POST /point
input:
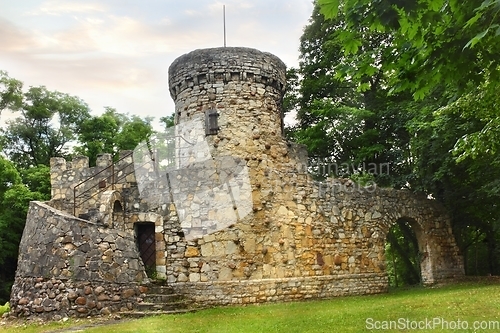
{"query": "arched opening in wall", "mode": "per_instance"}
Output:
(117, 207)
(402, 254)
(118, 217)
(146, 244)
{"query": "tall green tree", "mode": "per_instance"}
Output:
(350, 122)
(110, 133)
(48, 121)
(457, 162)
(97, 135)
(414, 84)
(14, 200)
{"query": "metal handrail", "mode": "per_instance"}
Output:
(113, 182)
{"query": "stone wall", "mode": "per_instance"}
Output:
(53, 299)
(72, 267)
(282, 290)
(76, 188)
(313, 229)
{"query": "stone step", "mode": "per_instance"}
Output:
(140, 314)
(159, 299)
(162, 298)
(159, 289)
(172, 306)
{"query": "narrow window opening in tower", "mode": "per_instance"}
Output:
(211, 122)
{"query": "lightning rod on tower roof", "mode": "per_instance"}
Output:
(224, 20)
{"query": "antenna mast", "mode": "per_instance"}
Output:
(224, 19)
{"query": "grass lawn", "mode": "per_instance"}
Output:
(459, 305)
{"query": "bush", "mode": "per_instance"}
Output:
(4, 308)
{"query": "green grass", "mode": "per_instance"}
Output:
(465, 302)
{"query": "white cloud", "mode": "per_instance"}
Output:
(14, 39)
(117, 53)
(62, 7)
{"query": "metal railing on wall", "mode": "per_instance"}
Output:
(102, 185)
(109, 181)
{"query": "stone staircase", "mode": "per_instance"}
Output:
(158, 300)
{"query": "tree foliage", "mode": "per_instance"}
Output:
(10, 91)
(14, 199)
(48, 121)
(341, 123)
(168, 121)
(110, 133)
(433, 42)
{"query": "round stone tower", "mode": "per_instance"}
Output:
(238, 91)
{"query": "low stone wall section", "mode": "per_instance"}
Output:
(54, 299)
(282, 290)
(72, 267)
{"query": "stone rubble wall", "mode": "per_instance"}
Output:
(72, 267)
(312, 231)
(282, 289)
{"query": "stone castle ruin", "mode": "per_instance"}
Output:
(221, 209)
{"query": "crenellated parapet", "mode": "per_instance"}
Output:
(74, 181)
(207, 67)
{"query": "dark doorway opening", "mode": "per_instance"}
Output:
(145, 233)
(402, 255)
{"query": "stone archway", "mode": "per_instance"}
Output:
(111, 209)
(439, 257)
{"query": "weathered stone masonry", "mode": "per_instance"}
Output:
(302, 239)
(299, 229)
(72, 267)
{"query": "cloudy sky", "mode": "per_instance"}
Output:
(117, 52)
